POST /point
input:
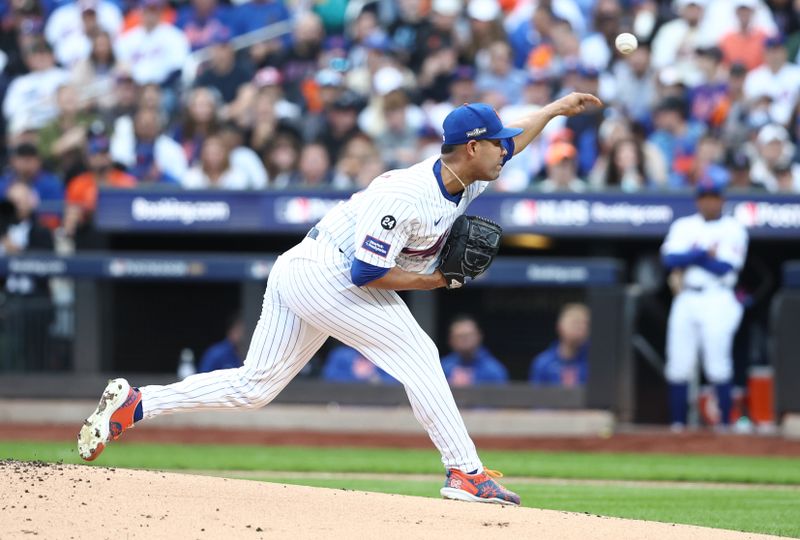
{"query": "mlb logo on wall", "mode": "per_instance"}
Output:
(376, 246)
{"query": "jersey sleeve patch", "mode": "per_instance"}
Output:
(378, 247)
(388, 222)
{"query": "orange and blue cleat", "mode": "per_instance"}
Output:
(113, 415)
(480, 487)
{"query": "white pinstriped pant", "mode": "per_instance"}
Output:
(309, 297)
(702, 321)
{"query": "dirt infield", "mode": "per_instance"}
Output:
(648, 442)
(75, 502)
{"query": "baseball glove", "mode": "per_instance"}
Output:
(469, 250)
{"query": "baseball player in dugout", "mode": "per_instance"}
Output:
(406, 231)
(704, 253)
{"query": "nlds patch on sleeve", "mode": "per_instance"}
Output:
(376, 246)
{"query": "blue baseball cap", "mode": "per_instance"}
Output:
(778, 40)
(463, 73)
(98, 145)
(378, 41)
(538, 76)
(712, 182)
(588, 72)
(474, 122)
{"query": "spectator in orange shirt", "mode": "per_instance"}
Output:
(134, 17)
(82, 190)
(745, 46)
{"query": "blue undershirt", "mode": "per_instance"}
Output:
(715, 266)
(362, 273)
(699, 258)
(682, 260)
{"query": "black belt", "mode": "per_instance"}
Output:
(314, 233)
(703, 289)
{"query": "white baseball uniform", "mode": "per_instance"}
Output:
(152, 55)
(705, 314)
(401, 219)
(783, 87)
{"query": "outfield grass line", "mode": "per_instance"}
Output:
(527, 480)
(557, 465)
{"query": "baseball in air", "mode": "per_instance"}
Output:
(626, 43)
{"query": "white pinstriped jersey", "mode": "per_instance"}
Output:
(402, 218)
(725, 235)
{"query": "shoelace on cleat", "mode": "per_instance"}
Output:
(493, 473)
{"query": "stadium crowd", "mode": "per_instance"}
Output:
(127, 93)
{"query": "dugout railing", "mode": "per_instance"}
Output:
(90, 339)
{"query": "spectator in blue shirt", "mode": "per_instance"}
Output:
(709, 99)
(470, 363)
(530, 33)
(26, 167)
(203, 21)
(565, 362)
(345, 364)
(676, 137)
(258, 14)
(224, 354)
(586, 130)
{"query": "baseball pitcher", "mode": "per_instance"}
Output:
(406, 231)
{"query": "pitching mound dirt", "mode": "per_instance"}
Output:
(76, 502)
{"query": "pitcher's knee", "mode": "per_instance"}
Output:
(252, 388)
(422, 376)
(255, 400)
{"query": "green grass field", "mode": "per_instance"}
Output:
(772, 507)
(755, 510)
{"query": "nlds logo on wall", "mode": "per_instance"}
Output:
(582, 212)
(552, 213)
